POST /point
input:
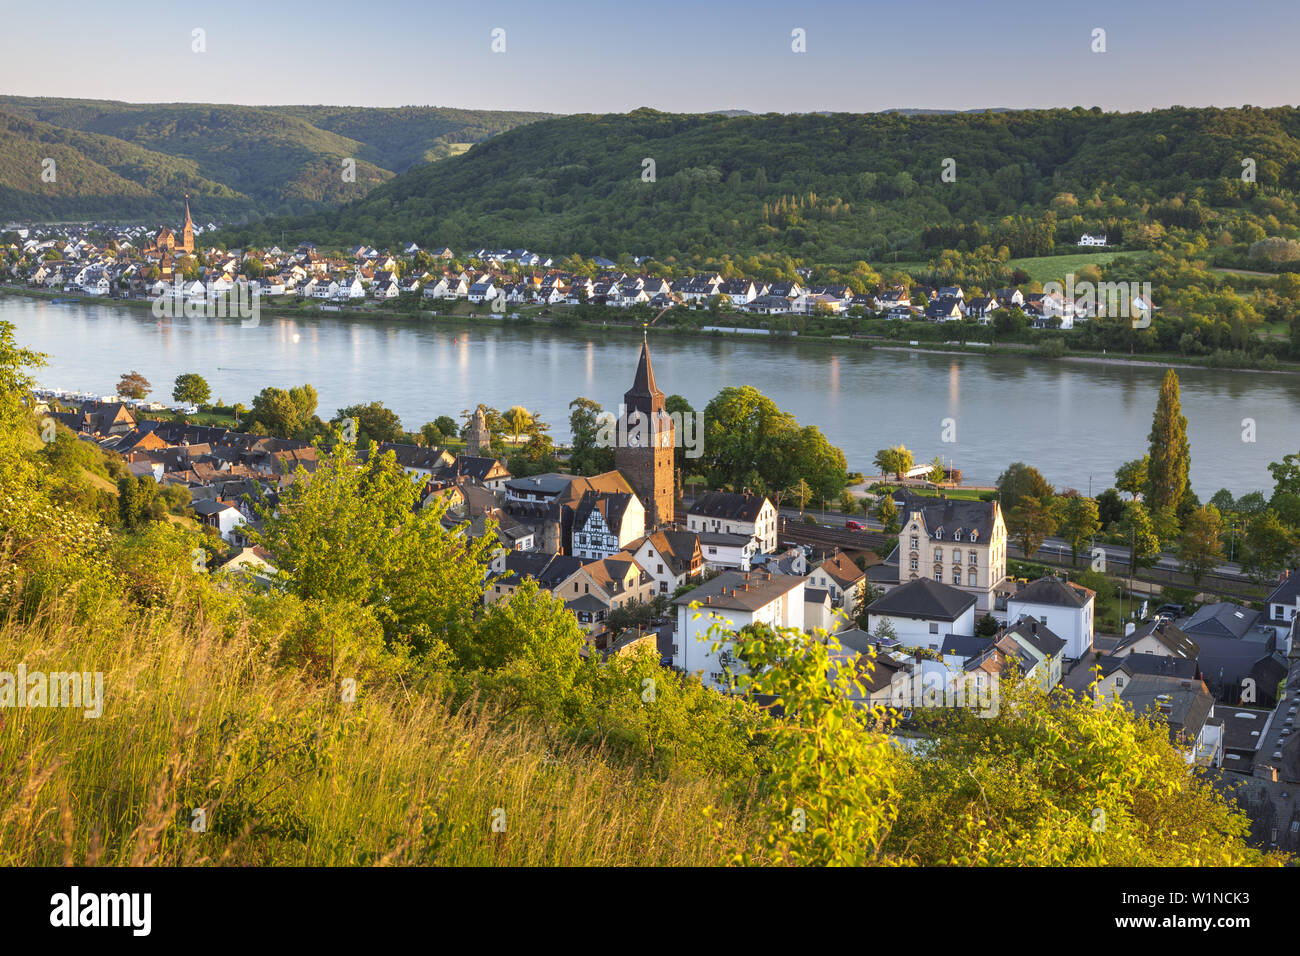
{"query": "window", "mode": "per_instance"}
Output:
(913, 563)
(938, 532)
(934, 628)
(971, 578)
(956, 575)
(1119, 681)
(938, 575)
(938, 555)
(974, 558)
(915, 544)
(956, 555)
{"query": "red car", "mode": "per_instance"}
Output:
(853, 525)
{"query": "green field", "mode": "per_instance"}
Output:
(1049, 268)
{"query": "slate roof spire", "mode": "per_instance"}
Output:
(643, 386)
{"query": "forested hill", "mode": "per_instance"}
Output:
(831, 188)
(127, 160)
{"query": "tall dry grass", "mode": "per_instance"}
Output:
(287, 774)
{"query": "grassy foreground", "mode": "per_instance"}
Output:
(285, 774)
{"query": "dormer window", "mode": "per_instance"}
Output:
(974, 536)
(938, 532)
(956, 535)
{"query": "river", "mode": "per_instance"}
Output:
(1073, 421)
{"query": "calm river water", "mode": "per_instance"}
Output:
(1071, 420)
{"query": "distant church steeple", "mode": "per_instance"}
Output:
(646, 460)
(187, 232)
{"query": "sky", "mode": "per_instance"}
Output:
(573, 56)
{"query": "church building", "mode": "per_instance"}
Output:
(645, 459)
(165, 241)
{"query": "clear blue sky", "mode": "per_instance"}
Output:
(573, 56)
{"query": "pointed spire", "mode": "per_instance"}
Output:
(188, 221)
(644, 384)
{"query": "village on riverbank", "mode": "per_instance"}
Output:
(1079, 318)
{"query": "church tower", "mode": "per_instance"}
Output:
(187, 233)
(644, 453)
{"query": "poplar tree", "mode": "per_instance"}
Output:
(1170, 455)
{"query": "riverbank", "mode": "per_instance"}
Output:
(528, 318)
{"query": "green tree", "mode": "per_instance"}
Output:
(1019, 481)
(355, 532)
(1170, 454)
(1030, 522)
(191, 388)
(286, 413)
(1138, 530)
(937, 472)
(1286, 475)
(1200, 549)
(831, 774)
(431, 436)
(587, 457)
(896, 461)
(1079, 521)
(1131, 477)
(887, 512)
(1266, 546)
(517, 420)
(372, 423)
(138, 503)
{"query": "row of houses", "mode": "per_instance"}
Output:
(502, 278)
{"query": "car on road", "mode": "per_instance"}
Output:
(853, 525)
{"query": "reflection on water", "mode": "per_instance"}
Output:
(1071, 420)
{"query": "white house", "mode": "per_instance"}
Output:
(731, 601)
(842, 580)
(1088, 240)
(727, 552)
(606, 522)
(1283, 606)
(350, 289)
(670, 557)
(730, 513)
(484, 291)
(223, 516)
(923, 613)
(1066, 609)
